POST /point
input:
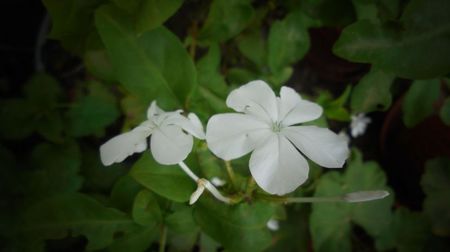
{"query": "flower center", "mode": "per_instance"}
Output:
(276, 126)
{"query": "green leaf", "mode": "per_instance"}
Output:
(37, 112)
(388, 10)
(138, 241)
(253, 46)
(181, 221)
(146, 210)
(42, 91)
(293, 234)
(183, 231)
(72, 22)
(366, 10)
(149, 14)
(93, 112)
(153, 13)
(128, 5)
(210, 165)
(55, 170)
(240, 76)
(330, 223)
(226, 19)
(212, 89)
(410, 231)
(207, 244)
(135, 111)
(288, 41)
(98, 63)
(373, 92)
(7, 169)
(239, 227)
(209, 77)
(153, 65)
(51, 126)
(436, 185)
(331, 13)
(335, 109)
(97, 177)
(419, 100)
(279, 78)
(445, 112)
(17, 115)
(9, 185)
(416, 47)
(166, 180)
(74, 214)
(123, 193)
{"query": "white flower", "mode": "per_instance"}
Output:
(359, 124)
(169, 144)
(265, 126)
(216, 181)
(273, 225)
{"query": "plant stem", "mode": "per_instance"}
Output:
(188, 171)
(193, 32)
(353, 197)
(250, 186)
(312, 199)
(163, 239)
(230, 173)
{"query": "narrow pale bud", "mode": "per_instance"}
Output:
(218, 182)
(197, 193)
(365, 196)
(273, 225)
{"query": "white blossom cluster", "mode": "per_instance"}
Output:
(265, 125)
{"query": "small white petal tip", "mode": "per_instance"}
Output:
(216, 181)
(359, 124)
(273, 225)
(365, 196)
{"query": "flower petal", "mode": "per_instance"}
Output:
(120, 147)
(294, 110)
(192, 124)
(278, 168)
(233, 135)
(321, 145)
(289, 96)
(170, 145)
(154, 110)
(359, 124)
(255, 98)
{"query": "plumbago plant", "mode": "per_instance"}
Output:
(154, 73)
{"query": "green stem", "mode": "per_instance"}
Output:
(287, 200)
(250, 186)
(313, 199)
(353, 197)
(193, 33)
(231, 174)
(163, 239)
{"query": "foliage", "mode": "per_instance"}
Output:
(436, 187)
(331, 223)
